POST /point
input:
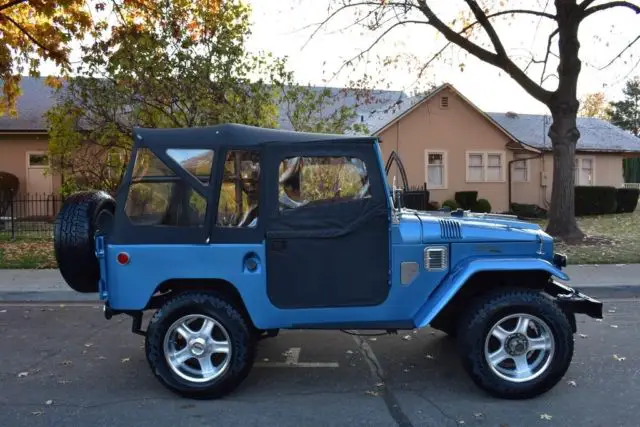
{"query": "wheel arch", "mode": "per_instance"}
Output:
(475, 277)
(217, 286)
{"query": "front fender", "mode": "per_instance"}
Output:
(459, 276)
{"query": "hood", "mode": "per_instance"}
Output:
(427, 227)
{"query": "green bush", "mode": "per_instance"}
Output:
(482, 205)
(627, 199)
(466, 199)
(595, 200)
(528, 211)
(451, 204)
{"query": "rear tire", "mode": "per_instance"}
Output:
(515, 344)
(74, 245)
(193, 362)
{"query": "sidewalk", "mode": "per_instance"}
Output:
(600, 281)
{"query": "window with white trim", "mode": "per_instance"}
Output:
(485, 166)
(435, 164)
(584, 168)
(520, 172)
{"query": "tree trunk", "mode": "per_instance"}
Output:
(564, 136)
(564, 132)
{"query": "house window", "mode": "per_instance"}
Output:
(584, 170)
(435, 163)
(520, 171)
(485, 166)
(38, 160)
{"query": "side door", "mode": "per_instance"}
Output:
(327, 236)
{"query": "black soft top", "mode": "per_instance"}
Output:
(235, 134)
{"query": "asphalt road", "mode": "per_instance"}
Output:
(66, 366)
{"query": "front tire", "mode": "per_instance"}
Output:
(515, 344)
(200, 346)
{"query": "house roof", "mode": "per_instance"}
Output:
(383, 120)
(595, 134)
(32, 104)
(37, 98)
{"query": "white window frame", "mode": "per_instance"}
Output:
(578, 160)
(37, 153)
(445, 181)
(485, 162)
(520, 157)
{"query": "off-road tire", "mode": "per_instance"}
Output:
(488, 309)
(74, 232)
(243, 344)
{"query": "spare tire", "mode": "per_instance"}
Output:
(74, 243)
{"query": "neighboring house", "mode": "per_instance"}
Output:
(24, 139)
(444, 140)
(447, 142)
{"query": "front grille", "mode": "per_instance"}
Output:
(435, 258)
(450, 229)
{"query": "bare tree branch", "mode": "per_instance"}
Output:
(620, 54)
(586, 3)
(501, 62)
(375, 42)
(11, 3)
(547, 53)
(484, 21)
(610, 5)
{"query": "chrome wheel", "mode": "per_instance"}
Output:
(197, 348)
(519, 347)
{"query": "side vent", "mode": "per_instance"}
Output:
(435, 258)
(450, 229)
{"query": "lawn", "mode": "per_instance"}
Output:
(611, 239)
(26, 252)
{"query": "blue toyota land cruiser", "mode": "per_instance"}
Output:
(231, 233)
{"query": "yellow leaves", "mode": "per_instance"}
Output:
(54, 82)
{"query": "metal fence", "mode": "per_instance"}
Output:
(28, 215)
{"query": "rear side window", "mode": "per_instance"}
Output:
(320, 180)
(158, 197)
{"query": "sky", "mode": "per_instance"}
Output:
(284, 27)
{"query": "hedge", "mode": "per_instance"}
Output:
(528, 211)
(482, 206)
(627, 199)
(595, 200)
(466, 199)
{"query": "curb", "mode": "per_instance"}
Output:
(594, 291)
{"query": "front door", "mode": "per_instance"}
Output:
(328, 231)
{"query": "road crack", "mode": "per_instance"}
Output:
(390, 400)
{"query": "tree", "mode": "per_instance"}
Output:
(594, 105)
(181, 63)
(474, 30)
(626, 115)
(33, 30)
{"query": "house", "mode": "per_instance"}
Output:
(24, 139)
(447, 142)
(444, 140)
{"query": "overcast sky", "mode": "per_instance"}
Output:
(284, 26)
(279, 26)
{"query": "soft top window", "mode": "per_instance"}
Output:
(322, 179)
(158, 197)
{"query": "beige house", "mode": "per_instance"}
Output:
(24, 141)
(447, 142)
